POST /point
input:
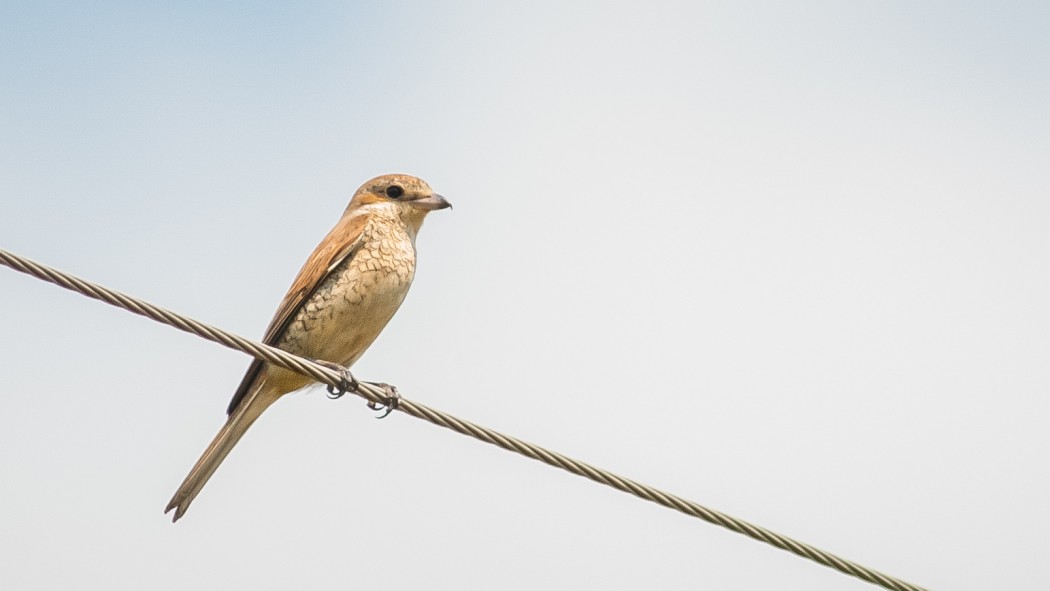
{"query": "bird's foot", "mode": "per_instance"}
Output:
(390, 402)
(346, 384)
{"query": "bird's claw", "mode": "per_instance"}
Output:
(347, 382)
(390, 402)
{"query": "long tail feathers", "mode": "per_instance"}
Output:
(236, 425)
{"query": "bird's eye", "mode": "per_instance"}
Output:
(394, 191)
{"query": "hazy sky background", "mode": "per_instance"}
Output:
(788, 260)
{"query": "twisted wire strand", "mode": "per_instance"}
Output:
(442, 419)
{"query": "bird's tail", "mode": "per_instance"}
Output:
(236, 425)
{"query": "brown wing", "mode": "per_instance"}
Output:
(341, 243)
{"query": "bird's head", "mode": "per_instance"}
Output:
(408, 197)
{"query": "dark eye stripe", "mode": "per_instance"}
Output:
(394, 191)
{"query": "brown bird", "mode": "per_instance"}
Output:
(342, 298)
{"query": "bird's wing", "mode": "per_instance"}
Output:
(339, 245)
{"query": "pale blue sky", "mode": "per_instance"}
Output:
(789, 261)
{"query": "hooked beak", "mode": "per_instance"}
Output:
(432, 202)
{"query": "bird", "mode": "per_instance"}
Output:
(342, 298)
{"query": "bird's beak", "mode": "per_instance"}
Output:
(432, 202)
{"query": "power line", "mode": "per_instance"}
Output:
(377, 395)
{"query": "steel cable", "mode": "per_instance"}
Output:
(375, 394)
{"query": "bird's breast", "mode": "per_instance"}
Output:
(354, 302)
